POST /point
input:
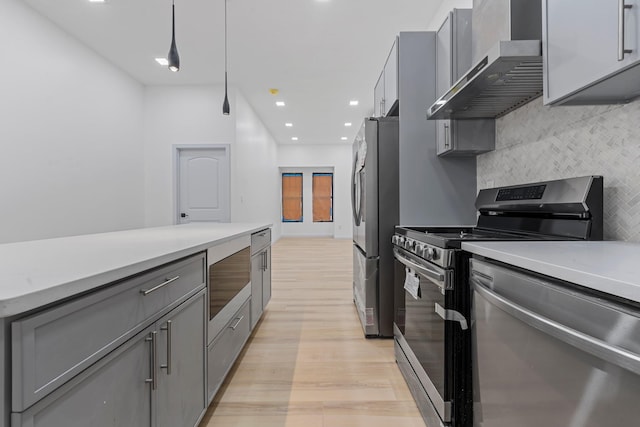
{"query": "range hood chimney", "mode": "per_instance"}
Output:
(507, 53)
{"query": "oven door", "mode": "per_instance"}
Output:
(426, 332)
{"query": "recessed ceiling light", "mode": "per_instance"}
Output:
(347, 124)
(344, 138)
(161, 61)
(294, 138)
(280, 103)
(288, 124)
(96, 1)
(353, 102)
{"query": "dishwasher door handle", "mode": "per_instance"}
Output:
(580, 340)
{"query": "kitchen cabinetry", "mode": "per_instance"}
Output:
(181, 364)
(113, 392)
(226, 347)
(385, 93)
(378, 96)
(453, 59)
(260, 274)
(130, 354)
(590, 50)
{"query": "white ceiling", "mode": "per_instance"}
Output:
(320, 54)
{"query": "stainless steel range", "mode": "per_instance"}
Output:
(432, 329)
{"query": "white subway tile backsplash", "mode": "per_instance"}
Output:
(538, 143)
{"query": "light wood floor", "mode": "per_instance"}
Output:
(307, 363)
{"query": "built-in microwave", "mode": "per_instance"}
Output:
(229, 281)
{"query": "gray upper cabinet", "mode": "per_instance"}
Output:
(391, 81)
(378, 96)
(453, 59)
(590, 51)
(385, 92)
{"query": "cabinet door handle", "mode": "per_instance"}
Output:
(238, 320)
(446, 135)
(154, 361)
(266, 261)
(621, 9)
(168, 329)
(146, 292)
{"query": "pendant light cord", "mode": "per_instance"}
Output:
(225, 40)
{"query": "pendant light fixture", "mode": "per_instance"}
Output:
(225, 104)
(173, 57)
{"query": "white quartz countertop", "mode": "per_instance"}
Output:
(609, 266)
(39, 272)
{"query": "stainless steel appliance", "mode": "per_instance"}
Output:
(549, 353)
(506, 58)
(432, 329)
(374, 184)
(229, 282)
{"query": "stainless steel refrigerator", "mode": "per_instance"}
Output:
(375, 204)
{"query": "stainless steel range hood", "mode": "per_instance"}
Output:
(508, 71)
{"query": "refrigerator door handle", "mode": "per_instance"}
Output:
(355, 209)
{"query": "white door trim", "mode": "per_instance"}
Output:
(176, 171)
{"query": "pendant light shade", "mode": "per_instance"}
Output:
(225, 103)
(173, 57)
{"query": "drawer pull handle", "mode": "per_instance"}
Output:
(168, 329)
(146, 292)
(237, 323)
(154, 361)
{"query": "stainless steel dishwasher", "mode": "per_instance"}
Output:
(550, 353)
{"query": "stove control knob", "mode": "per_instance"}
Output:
(409, 244)
(394, 239)
(419, 248)
(401, 241)
(429, 253)
(435, 255)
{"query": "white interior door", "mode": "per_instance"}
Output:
(203, 184)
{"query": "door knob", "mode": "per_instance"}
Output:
(183, 215)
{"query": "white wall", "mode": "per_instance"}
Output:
(71, 135)
(254, 185)
(176, 115)
(337, 157)
(441, 14)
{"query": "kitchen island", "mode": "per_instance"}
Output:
(84, 316)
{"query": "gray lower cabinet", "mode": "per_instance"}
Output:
(453, 59)
(266, 278)
(591, 51)
(181, 394)
(130, 354)
(154, 379)
(226, 347)
(49, 348)
(260, 274)
(113, 392)
(257, 267)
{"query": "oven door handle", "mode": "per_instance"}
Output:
(437, 277)
(452, 315)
